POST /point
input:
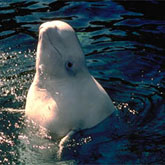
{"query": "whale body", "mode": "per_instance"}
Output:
(63, 95)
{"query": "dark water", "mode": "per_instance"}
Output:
(124, 45)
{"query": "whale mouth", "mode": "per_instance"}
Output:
(49, 38)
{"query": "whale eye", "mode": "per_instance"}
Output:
(69, 65)
(70, 68)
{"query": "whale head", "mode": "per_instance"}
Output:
(59, 53)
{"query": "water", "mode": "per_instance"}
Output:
(124, 45)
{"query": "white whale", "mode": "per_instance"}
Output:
(63, 96)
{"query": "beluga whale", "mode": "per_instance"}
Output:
(64, 97)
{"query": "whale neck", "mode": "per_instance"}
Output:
(43, 81)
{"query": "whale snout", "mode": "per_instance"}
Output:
(46, 31)
(56, 28)
(57, 33)
(61, 37)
